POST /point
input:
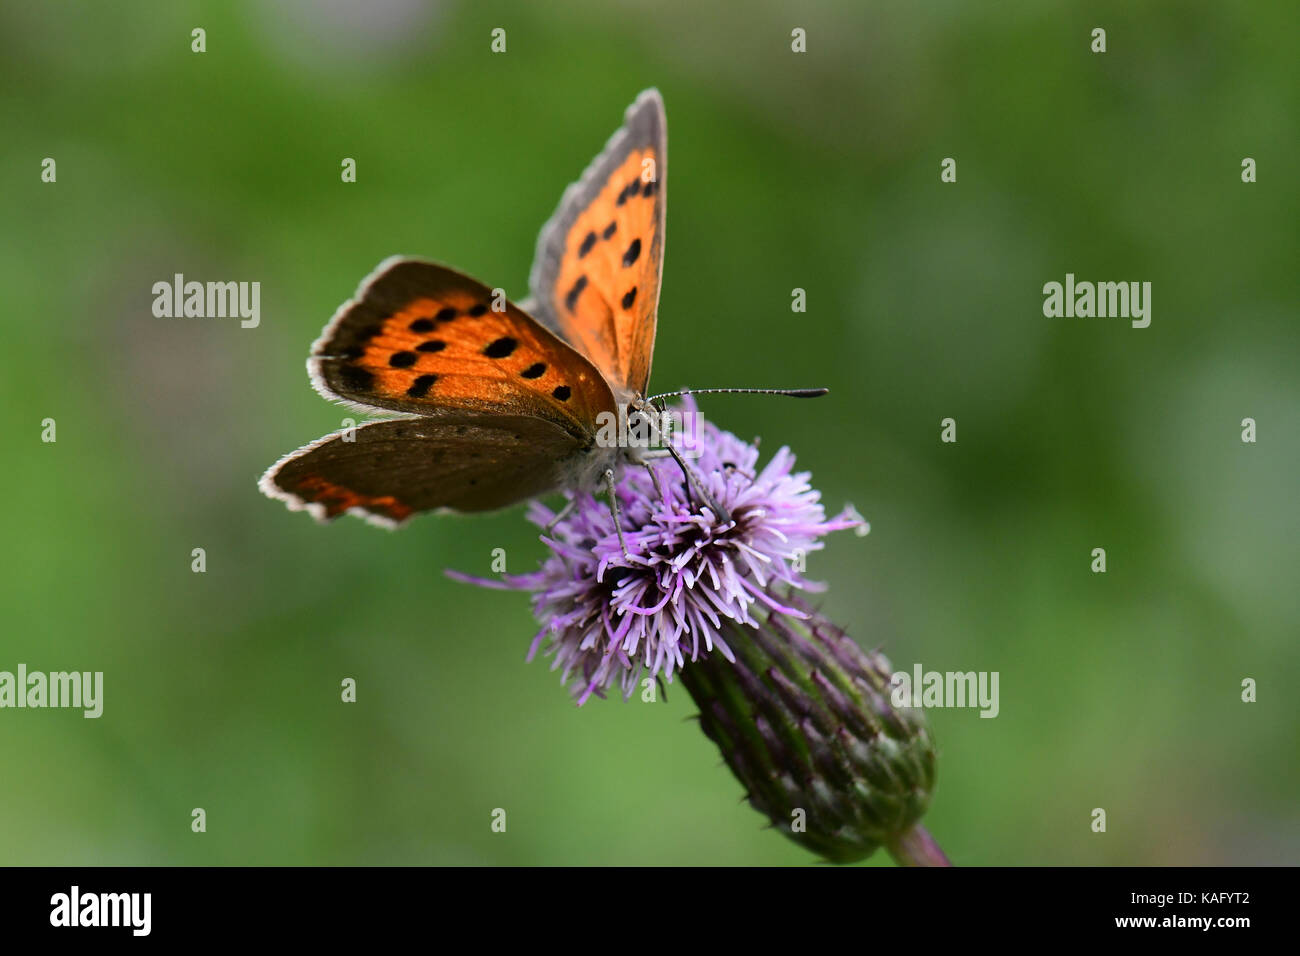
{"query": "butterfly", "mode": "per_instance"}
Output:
(498, 402)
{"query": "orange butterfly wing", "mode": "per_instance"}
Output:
(424, 339)
(599, 259)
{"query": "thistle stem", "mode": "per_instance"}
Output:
(917, 848)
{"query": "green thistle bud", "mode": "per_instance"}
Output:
(804, 719)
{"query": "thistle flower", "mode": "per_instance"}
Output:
(611, 617)
(801, 714)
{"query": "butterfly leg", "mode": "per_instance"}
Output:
(560, 515)
(613, 509)
(655, 455)
(654, 478)
(693, 480)
(550, 528)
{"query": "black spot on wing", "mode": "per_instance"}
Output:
(629, 297)
(587, 243)
(420, 387)
(501, 347)
(630, 190)
(571, 298)
(633, 253)
(562, 392)
(536, 370)
(402, 359)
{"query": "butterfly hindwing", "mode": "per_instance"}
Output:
(388, 471)
(599, 259)
(424, 339)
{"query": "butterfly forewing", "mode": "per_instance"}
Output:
(390, 470)
(599, 260)
(424, 339)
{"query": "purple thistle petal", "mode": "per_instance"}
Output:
(610, 619)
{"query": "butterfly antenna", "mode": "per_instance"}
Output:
(791, 392)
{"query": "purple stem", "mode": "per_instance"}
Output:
(917, 848)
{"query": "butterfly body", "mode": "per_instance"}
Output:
(498, 402)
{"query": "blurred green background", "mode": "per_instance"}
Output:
(818, 171)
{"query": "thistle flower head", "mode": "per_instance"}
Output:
(610, 617)
(801, 714)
